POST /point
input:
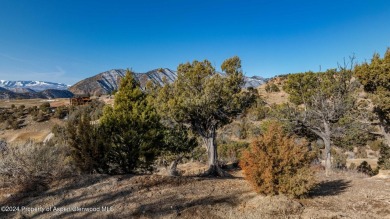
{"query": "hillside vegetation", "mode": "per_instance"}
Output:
(304, 141)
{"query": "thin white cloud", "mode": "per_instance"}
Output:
(59, 72)
(12, 58)
(57, 75)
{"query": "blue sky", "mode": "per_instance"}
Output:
(69, 40)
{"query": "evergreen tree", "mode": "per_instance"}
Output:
(375, 77)
(321, 101)
(87, 141)
(384, 157)
(132, 125)
(204, 101)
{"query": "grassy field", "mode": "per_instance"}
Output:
(34, 102)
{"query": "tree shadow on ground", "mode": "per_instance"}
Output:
(330, 188)
(67, 193)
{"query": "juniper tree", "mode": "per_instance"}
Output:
(204, 100)
(133, 128)
(375, 77)
(321, 100)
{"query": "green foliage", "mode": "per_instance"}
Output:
(375, 76)
(384, 157)
(40, 116)
(339, 159)
(365, 168)
(301, 87)
(88, 143)
(61, 112)
(178, 141)
(197, 87)
(133, 129)
(258, 110)
(230, 151)
(203, 99)
(241, 129)
(199, 154)
(361, 152)
(320, 100)
(375, 145)
(257, 113)
(352, 133)
(271, 87)
(94, 109)
(276, 163)
(45, 107)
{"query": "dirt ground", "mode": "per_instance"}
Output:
(342, 195)
(36, 131)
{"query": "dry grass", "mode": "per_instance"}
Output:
(36, 131)
(34, 102)
(273, 97)
(371, 161)
(31, 163)
(343, 195)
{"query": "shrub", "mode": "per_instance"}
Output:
(375, 145)
(361, 152)
(199, 154)
(89, 151)
(241, 130)
(275, 163)
(61, 112)
(384, 157)
(231, 151)
(45, 107)
(352, 166)
(271, 87)
(339, 159)
(26, 164)
(365, 168)
(40, 117)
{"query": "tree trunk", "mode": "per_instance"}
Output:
(328, 165)
(172, 169)
(326, 138)
(211, 147)
(385, 135)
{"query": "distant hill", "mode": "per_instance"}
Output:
(53, 93)
(45, 94)
(33, 85)
(106, 82)
(21, 90)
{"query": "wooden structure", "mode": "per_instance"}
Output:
(76, 101)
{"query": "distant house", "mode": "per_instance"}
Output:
(79, 100)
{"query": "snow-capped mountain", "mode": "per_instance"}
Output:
(254, 81)
(106, 82)
(33, 85)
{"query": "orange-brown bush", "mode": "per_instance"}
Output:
(276, 163)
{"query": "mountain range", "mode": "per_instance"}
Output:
(45, 94)
(108, 81)
(102, 83)
(18, 86)
(33, 89)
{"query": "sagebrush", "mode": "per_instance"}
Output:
(24, 164)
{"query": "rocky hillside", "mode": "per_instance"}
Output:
(106, 82)
(45, 94)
